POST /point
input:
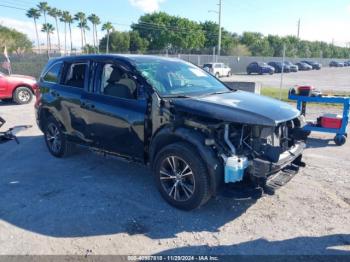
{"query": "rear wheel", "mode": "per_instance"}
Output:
(181, 176)
(22, 95)
(55, 139)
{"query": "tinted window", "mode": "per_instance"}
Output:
(52, 75)
(116, 82)
(75, 75)
(208, 65)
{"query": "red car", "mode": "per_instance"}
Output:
(18, 88)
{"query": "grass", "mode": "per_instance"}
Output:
(274, 92)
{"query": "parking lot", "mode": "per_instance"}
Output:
(87, 204)
(335, 79)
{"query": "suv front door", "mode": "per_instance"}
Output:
(115, 115)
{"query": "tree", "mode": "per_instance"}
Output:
(44, 8)
(35, 14)
(165, 31)
(95, 20)
(137, 43)
(107, 27)
(81, 18)
(56, 14)
(117, 42)
(67, 19)
(48, 29)
(14, 40)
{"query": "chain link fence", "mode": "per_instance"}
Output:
(32, 64)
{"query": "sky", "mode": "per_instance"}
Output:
(324, 20)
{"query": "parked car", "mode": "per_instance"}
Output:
(278, 67)
(293, 67)
(18, 88)
(193, 132)
(303, 66)
(260, 68)
(218, 69)
(347, 63)
(336, 64)
(314, 65)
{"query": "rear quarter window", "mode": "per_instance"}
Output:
(52, 75)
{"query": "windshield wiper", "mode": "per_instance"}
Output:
(177, 96)
(218, 93)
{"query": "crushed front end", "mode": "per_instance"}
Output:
(274, 154)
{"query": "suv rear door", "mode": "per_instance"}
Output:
(113, 110)
(67, 95)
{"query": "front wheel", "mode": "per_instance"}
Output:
(181, 176)
(217, 75)
(22, 95)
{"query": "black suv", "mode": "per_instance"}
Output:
(194, 132)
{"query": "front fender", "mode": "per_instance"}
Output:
(169, 135)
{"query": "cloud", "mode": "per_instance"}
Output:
(148, 6)
(348, 8)
(27, 27)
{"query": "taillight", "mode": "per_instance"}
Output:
(38, 96)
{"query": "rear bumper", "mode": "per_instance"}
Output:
(263, 168)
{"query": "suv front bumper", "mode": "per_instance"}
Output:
(262, 168)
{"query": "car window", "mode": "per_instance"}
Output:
(116, 82)
(172, 78)
(218, 66)
(52, 75)
(208, 65)
(75, 75)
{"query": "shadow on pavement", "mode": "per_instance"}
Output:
(324, 245)
(319, 143)
(89, 195)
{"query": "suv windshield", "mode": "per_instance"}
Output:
(178, 78)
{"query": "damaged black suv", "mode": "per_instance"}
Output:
(192, 130)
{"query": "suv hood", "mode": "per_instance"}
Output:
(238, 107)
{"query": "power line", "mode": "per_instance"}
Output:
(13, 7)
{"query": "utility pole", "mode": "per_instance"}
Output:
(299, 23)
(219, 41)
(282, 71)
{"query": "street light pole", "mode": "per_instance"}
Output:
(219, 40)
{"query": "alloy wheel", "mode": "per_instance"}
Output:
(24, 96)
(53, 138)
(177, 178)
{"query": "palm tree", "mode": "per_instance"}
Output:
(69, 19)
(95, 20)
(55, 13)
(44, 8)
(107, 27)
(48, 29)
(81, 18)
(35, 14)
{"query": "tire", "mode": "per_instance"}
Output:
(249, 73)
(22, 95)
(340, 140)
(55, 139)
(217, 75)
(190, 191)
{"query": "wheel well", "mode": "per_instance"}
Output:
(22, 85)
(195, 139)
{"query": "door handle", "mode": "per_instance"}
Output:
(54, 93)
(87, 105)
